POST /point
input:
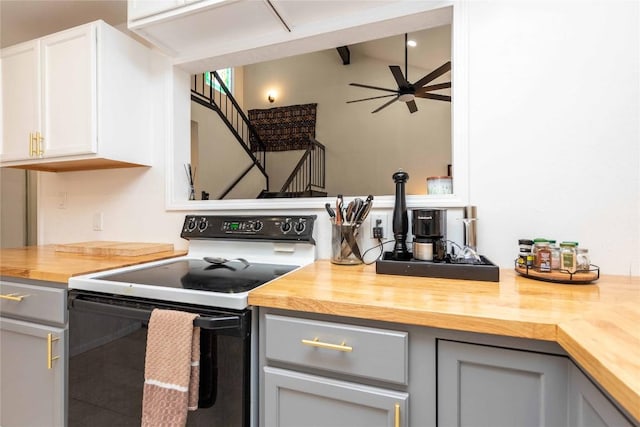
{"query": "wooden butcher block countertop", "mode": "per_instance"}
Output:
(597, 324)
(46, 263)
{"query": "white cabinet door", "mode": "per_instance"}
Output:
(20, 99)
(32, 386)
(69, 86)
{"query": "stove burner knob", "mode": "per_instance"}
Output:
(191, 224)
(203, 224)
(300, 226)
(257, 226)
(285, 227)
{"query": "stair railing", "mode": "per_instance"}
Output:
(223, 103)
(309, 173)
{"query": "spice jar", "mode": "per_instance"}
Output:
(568, 256)
(537, 244)
(582, 259)
(525, 246)
(543, 257)
(555, 255)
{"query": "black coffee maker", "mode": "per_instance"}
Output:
(429, 227)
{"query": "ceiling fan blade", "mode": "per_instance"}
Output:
(434, 87)
(385, 105)
(367, 99)
(397, 74)
(411, 105)
(433, 75)
(373, 87)
(434, 96)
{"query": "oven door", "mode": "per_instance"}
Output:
(107, 343)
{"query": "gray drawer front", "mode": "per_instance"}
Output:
(379, 354)
(39, 303)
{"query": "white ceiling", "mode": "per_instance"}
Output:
(22, 20)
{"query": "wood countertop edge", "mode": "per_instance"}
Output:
(101, 264)
(453, 321)
(617, 388)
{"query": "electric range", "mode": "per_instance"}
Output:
(228, 256)
(109, 314)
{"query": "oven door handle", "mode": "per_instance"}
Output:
(224, 321)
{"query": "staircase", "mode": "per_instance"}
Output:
(308, 176)
(223, 103)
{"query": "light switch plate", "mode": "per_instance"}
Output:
(98, 221)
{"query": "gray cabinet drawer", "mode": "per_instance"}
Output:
(294, 399)
(379, 354)
(33, 302)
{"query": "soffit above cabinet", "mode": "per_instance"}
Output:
(211, 34)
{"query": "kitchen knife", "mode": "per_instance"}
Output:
(361, 215)
(330, 211)
(339, 213)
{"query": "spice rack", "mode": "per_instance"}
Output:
(580, 277)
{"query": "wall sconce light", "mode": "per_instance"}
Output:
(271, 97)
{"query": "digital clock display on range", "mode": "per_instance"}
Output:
(234, 226)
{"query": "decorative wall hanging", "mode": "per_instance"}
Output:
(284, 128)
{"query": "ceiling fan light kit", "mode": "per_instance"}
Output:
(407, 92)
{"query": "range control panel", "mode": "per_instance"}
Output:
(274, 228)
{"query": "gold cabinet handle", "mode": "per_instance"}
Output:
(50, 340)
(32, 142)
(397, 417)
(39, 139)
(13, 297)
(317, 343)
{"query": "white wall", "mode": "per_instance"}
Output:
(363, 150)
(554, 126)
(13, 209)
(554, 141)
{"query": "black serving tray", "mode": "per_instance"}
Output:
(487, 271)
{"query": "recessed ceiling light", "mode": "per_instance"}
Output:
(412, 43)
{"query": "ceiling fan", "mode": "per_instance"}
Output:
(407, 92)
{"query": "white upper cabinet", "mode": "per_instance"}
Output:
(20, 100)
(68, 70)
(77, 99)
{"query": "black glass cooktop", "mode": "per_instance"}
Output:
(230, 277)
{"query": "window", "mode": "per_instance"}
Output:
(226, 75)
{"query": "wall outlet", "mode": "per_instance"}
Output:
(63, 198)
(98, 221)
(379, 220)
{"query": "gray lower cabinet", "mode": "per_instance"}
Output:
(294, 399)
(324, 373)
(33, 343)
(481, 385)
(33, 376)
(588, 406)
(318, 370)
